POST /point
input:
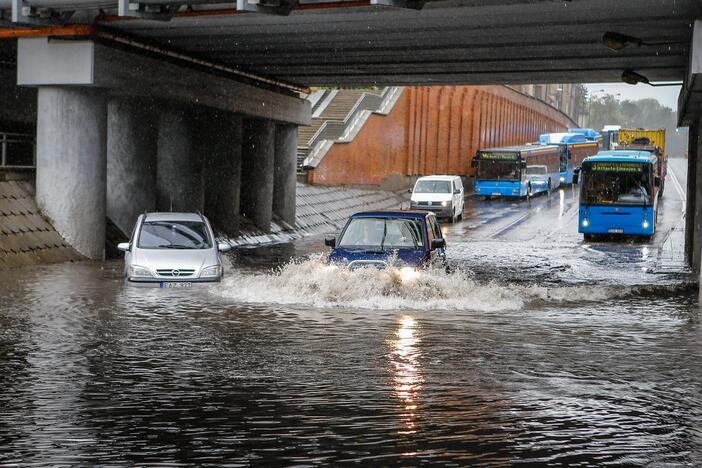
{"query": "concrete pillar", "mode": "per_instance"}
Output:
(220, 137)
(697, 222)
(257, 163)
(131, 161)
(71, 164)
(178, 169)
(691, 193)
(284, 174)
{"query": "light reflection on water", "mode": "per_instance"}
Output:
(407, 375)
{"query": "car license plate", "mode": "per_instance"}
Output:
(615, 231)
(179, 284)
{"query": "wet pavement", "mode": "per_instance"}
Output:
(538, 348)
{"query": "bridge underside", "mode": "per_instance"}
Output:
(353, 43)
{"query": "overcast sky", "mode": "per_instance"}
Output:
(666, 95)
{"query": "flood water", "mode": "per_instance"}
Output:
(537, 348)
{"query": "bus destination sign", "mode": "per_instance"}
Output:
(616, 167)
(500, 156)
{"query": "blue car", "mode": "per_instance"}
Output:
(376, 238)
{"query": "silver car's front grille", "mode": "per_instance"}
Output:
(175, 273)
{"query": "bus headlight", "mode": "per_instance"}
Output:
(586, 223)
(645, 224)
(562, 179)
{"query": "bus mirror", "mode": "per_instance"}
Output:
(657, 181)
(523, 165)
(473, 163)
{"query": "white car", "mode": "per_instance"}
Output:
(440, 194)
(173, 250)
(538, 177)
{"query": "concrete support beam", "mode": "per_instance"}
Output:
(131, 161)
(285, 173)
(71, 165)
(690, 203)
(178, 169)
(257, 165)
(84, 62)
(221, 140)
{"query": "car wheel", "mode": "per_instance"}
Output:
(452, 218)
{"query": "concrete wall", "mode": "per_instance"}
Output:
(434, 130)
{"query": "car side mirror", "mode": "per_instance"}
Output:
(438, 243)
(330, 242)
(224, 247)
(409, 190)
(457, 192)
(123, 246)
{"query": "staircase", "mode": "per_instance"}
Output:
(336, 111)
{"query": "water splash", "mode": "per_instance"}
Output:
(314, 283)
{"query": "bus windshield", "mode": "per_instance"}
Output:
(498, 170)
(616, 183)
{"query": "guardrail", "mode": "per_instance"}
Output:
(17, 151)
(343, 132)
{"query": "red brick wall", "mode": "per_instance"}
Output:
(436, 130)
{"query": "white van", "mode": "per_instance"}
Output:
(441, 194)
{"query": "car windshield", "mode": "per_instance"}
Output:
(383, 233)
(536, 170)
(432, 186)
(616, 183)
(498, 170)
(174, 235)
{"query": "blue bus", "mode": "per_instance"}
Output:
(517, 171)
(589, 133)
(574, 149)
(619, 194)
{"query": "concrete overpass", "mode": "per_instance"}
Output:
(254, 58)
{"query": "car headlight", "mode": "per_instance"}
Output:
(444, 203)
(211, 271)
(139, 271)
(586, 223)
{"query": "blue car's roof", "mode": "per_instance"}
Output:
(643, 157)
(410, 214)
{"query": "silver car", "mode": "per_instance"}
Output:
(173, 249)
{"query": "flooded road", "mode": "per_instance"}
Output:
(538, 348)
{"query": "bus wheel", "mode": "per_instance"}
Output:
(588, 237)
